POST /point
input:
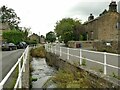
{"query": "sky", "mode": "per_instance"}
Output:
(41, 15)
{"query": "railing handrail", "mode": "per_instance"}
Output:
(92, 51)
(67, 52)
(91, 60)
(13, 68)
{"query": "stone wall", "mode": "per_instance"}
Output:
(110, 46)
(107, 46)
(81, 44)
(55, 61)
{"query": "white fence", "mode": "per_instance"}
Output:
(79, 54)
(21, 61)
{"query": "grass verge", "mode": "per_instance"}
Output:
(66, 79)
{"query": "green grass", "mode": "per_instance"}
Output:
(34, 79)
(66, 79)
(83, 62)
(115, 76)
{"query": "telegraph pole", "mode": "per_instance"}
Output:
(39, 37)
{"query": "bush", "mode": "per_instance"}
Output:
(38, 52)
(31, 42)
(13, 36)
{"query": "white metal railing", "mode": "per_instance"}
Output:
(21, 60)
(53, 49)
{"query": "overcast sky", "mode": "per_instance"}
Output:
(41, 15)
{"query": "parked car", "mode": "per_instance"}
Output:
(21, 45)
(9, 46)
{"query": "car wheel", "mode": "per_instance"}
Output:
(10, 49)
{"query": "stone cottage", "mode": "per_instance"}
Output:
(104, 27)
(34, 37)
(102, 32)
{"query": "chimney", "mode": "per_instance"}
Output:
(113, 6)
(91, 17)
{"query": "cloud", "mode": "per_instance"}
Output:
(41, 15)
(119, 6)
(83, 9)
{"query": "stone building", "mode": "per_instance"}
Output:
(104, 27)
(102, 32)
(34, 37)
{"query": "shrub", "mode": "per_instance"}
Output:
(13, 36)
(38, 52)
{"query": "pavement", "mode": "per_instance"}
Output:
(7, 60)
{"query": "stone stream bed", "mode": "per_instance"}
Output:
(42, 74)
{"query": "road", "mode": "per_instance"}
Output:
(9, 58)
(112, 60)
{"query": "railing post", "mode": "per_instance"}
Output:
(55, 49)
(80, 56)
(48, 47)
(1, 86)
(60, 52)
(105, 72)
(67, 53)
(20, 81)
(24, 62)
(51, 48)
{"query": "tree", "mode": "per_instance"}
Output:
(13, 36)
(78, 30)
(50, 36)
(26, 31)
(67, 29)
(9, 16)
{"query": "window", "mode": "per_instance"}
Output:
(92, 35)
(118, 25)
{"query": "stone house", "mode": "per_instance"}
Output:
(34, 37)
(102, 32)
(104, 27)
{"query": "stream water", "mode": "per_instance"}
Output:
(42, 73)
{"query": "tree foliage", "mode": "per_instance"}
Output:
(26, 31)
(68, 29)
(9, 16)
(50, 36)
(13, 36)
